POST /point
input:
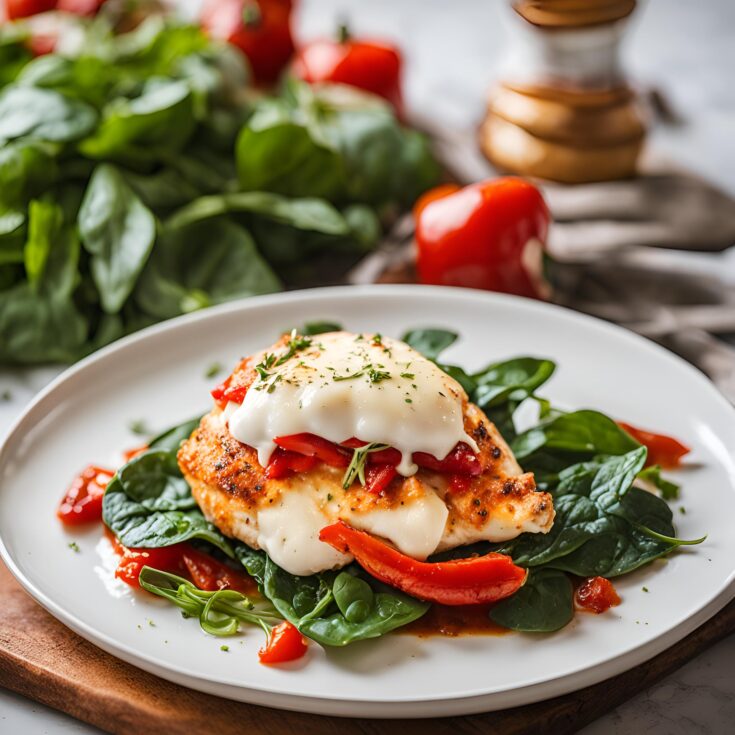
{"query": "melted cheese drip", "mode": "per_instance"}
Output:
(345, 385)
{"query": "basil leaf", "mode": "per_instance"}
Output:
(27, 168)
(544, 604)
(43, 114)
(311, 328)
(118, 230)
(309, 602)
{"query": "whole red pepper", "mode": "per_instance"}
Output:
(470, 581)
(373, 66)
(261, 29)
(488, 235)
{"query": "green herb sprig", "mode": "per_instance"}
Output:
(356, 467)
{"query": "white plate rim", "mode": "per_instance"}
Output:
(472, 701)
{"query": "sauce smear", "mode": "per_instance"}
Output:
(454, 621)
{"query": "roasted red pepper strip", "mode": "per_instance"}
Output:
(662, 450)
(370, 65)
(486, 235)
(463, 582)
(311, 445)
(83, 500)
(284, 643)
(378, 477)
(284, 463)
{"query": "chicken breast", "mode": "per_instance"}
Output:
(420, 511)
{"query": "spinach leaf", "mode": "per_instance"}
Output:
(584, 432)
(171, 439)
(430, 342)
(45, 220)
(515, 379)
(603, 525)
(161, 117)
(336, 143)
(43, 114)
(311, 328)
(27, 168)
(148, 504)
(39, 327)
(652, 475)
(310, 602)
(182, 275)
(118, 230)
(544, 604)
(303, 214)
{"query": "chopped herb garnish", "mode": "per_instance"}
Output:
(408, 376)
(645, 589)
(139, 427)
(357, 465)
(376, 376)
(151, 623)
(408, 400)
(214, 369)
(378, 339)
(224, 648)
(74, 546)
(329, 497)
(296, 343)
(358, 374)
(683, 510)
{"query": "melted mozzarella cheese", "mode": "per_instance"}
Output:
(345, 385)
(289, 532)
(289, 529)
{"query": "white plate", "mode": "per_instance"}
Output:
(159, 376)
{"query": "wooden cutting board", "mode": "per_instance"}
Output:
(42, 659)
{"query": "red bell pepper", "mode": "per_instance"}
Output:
(662, 449)
(488, 235)
(314, 446)
(83, 500)
(378, 477)
(472, 581)
(284, 463)
(261, 29)
(284, 643)
(373, 66)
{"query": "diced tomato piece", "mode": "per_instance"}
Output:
(25, 8)
(378, 477)
(285, 643)
(83, 500)
(597, 595)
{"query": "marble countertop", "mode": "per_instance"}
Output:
(454, 51)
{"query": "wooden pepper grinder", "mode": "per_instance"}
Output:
(564, 111)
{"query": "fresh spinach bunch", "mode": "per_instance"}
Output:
(141, 179)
